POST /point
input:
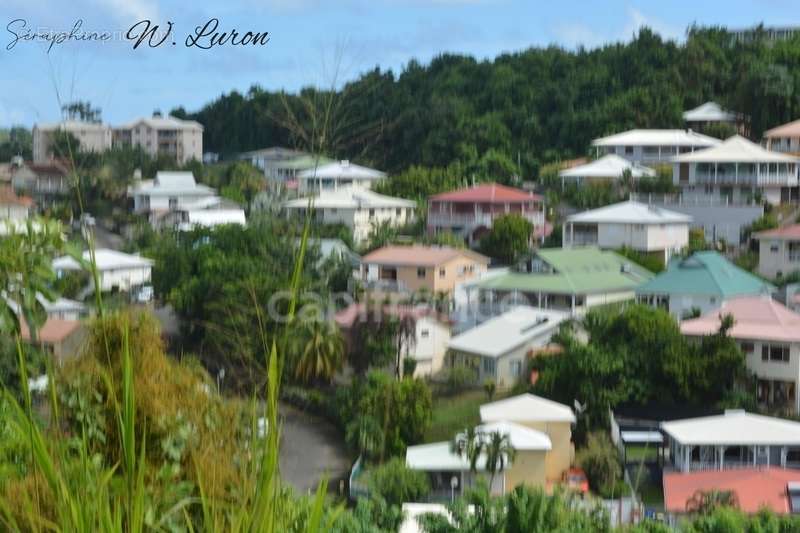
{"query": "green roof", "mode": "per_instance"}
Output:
(706, 273)
(577, 271)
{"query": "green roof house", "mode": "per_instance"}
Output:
(567, 280)
(702, 281)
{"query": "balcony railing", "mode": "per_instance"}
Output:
(481, 219)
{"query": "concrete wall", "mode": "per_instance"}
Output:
(124, 278)
(529, 468)
(431, 346)
(562, 454)
(773, 257)
(776, 370)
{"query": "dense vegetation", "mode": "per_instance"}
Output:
(521, 109)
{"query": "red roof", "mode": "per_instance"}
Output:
(755, 488)
(786, 232)
(487, 193)
(418, 255)
(8, 197)
(54, 330)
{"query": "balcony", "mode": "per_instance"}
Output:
(472, 220)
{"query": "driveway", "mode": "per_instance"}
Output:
(310, 449)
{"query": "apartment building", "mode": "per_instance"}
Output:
(163, 136)
(91, 136)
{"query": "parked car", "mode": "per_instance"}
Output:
(575, 479)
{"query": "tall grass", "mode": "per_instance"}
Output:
(74, 492)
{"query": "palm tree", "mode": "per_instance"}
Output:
(704, 502)
(320, 351)
(499, 453)
(405, 339)
(469, 445)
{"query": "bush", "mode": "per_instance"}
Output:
(409, 366)
(600, 460)
(460, 378)
(396, 483)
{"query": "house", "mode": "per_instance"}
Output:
(572, 280)
(116, 270)
(754, 489)
(470, 212)
(769, 336)
(699, 283)
(733, 440)
(644, 228)
(181, 140)
(540, 458)
(169, 191)
(712, 114)
(432, 332)
(499, 349)
(267, 157)
(47, 183)
(653, 146)
(432, 269)
(737, 169)
(13, 209)
(336, 175)
(63, 308)
(91, 136)
(540, 414)
(784, 139)
(60, 338)
(608, 169)
(778, 251)
(207, 213)
(358, 209)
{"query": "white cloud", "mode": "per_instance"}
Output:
(129, 10)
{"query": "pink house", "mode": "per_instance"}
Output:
(470, 212)
(769, 335)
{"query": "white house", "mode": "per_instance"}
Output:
(710, 114)
(735, 439)
(737, 169)
(63, 308)
(779, 251)
(338, 174)
(769, 335)
(357, 208)
(116, 270)
(653, 146)
(499, 348)
(644, 228)
(206, 213)
(608, 168)
(169, 191)
(13, 209)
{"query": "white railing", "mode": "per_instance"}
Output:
(481, 219)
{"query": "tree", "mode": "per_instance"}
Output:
(469, 445)
(499, 452)
(396, 483)
(82, 111)
(508, 239)
(600, 460)
(705, 502)
(244, 182)
(319, 351)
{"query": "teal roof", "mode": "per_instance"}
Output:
(706, 273)
(577, 271)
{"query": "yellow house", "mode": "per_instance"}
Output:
(539, 430)
(434, 269)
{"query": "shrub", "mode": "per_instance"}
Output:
(409, 366)
(600, 461)
(396, 483)
(459, 378)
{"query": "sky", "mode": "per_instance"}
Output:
(307, 39)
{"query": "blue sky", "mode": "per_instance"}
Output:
(306, 38)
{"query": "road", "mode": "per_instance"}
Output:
(310, 449)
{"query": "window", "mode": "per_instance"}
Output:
(775, 353)
(334, 210)
(516, 368)
(371, 213)
(748, 347)
(774, 248)
(629, 150)
(424, 334)
(442, 272)
(421, 272)
(173, 202)
(398, 211)
(488, 365)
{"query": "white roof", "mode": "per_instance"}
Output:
(526, 408)
(504, 333)
(342, 170)
(439, 456)
(631, 212)
(73, 125)
(163, 123)
(709, 112)
(106, 260)
(214, 217)
(735, 427)
(608, 166)
(350, 198)
(657, 138)
(735, 149)
(411, 511)
(171, 183)
(60, 304)
(521, 437)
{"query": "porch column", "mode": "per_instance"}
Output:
(754, 455)
(736, 173)
(784, 452)
(572, 234)
(573, 304)
(715, 172)
(721, 456)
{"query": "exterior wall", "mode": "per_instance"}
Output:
(738, 184)
(458, 270)
(787, 145)
(681, 304)
(648, 154)
(642, 237)
(562, 454)
(774, 257)
(593, 300)
(13, 212)
(362, 221)
(528, 468)
(775, 370)
(92, 138)
(184, 143)
(124, 279)
(314, 185)
(70, 346)
(431, 346)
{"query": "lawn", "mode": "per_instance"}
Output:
(453, 413)
(635, 453)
